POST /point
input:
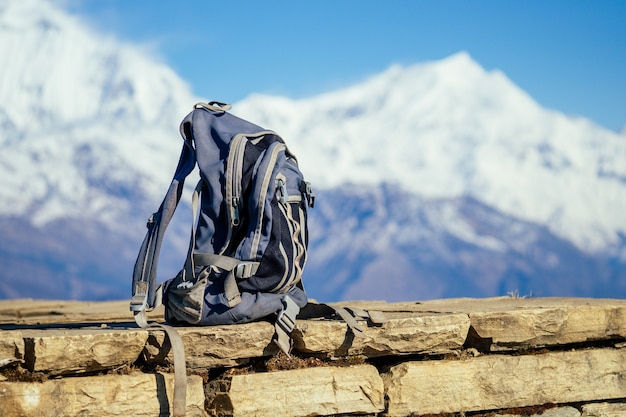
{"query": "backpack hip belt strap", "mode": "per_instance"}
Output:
(237, 270)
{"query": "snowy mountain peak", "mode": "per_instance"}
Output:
(449, 128)
(57, 72)
(85, 118)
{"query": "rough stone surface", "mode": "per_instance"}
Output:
(604, 410)
(215, 346)
(11, 347)
(81, 350)
(550, 326)
(103, 396)
(303, 392)
(432, 333)
(493, 382)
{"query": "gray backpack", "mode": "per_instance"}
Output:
(249, 246)
(248, 242)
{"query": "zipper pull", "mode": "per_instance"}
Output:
(235, 212)
(282, 190)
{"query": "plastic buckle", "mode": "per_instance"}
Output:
(154, 217)
(139, 301)
(282, 189)
(287, 316)
(245, 270)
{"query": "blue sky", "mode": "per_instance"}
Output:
(568, 55)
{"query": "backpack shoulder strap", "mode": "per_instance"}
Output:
(145, 293)
(144, 273)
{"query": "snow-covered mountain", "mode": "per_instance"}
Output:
(88, 143)
(85, 119)
(434, 180)
(450, 128)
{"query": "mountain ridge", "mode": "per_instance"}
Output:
(508, 152)
(388, 243)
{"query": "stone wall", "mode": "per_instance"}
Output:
(555, 357)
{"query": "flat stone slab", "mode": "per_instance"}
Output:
(550, 325)
(81, 350)
(433, 333)
(11, 347)
(493, 382)
(515, 323)
(135, 395)
(302, 392)
(215, 346)
(604, 410)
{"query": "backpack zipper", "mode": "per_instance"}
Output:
(274, 149)
(234, 173)
(234, 166)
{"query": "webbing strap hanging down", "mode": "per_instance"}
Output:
(145, 294)
(179, 405)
